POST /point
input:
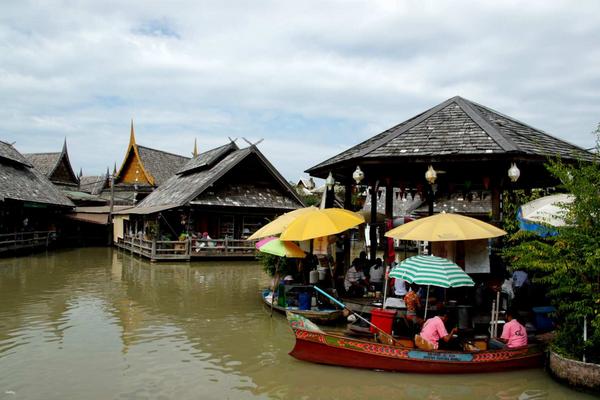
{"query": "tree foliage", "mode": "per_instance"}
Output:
(568, 264)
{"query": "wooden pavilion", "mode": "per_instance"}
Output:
(470, 147)
(30, 205)
(226, 193)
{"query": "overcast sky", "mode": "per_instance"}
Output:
(311, 78)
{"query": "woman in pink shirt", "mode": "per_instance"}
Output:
(434, 329)
(513, 334)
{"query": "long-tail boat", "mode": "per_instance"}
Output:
(315, 345)
(320, 316)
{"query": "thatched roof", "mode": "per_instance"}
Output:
(198, 182)
(20, 181)
(455, 128)
(56, 166)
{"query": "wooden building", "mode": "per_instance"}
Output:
(30, 205)
(226, 193)
(58, 169)
(143, 170)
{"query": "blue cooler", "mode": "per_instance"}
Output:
(542, 320)
(304, 301)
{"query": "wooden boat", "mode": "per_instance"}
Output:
(315, 345)
(319, 316)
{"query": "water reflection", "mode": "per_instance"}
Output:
(97, 323)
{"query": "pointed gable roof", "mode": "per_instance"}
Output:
(205, 170)
(156, 166)
(56, 166)
(20, 181)
(457, 127)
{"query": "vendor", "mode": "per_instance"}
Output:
(513, 334)
(434, 329)
(355, 281)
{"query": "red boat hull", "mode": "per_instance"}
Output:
(331, 349)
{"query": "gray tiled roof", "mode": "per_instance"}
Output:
(8, 152)
(182, 188)
(208, 158)
(160, 164)
(246, 196)
(93, 184)
(44, 162)
(186, 186)
(458, 127)
(18, 181)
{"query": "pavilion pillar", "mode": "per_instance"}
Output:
(373, 224)
(389, 215)
(347, 242)
(496, 205)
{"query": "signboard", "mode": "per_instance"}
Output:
(477, 257)
(431, 356)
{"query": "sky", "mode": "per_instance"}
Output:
(311, 78)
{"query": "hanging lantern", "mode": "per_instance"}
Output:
(330, 181)
(431, 175)
(513, 172)
(358, 175)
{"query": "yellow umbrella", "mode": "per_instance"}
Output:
(321, 222)
(277, 226)
(445, 227)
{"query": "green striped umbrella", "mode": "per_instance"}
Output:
(431, 270)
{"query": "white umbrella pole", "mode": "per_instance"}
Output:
(584, 334)
(426, 303)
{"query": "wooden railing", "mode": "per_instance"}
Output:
(24, 240)
(188, 248)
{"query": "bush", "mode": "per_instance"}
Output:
(568, 264)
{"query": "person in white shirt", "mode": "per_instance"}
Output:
(376, 275)
(355, 281)
(399, 287)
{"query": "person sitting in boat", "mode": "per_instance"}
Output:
(513, 335)
(355, 281)
(434, 329)
(376, 275)
(413, 303)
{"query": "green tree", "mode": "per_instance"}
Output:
(568, 264)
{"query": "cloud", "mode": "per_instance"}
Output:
(311, 78)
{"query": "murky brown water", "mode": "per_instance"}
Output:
(99, 324)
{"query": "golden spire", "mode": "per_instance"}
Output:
(131, 135)
(195, 152)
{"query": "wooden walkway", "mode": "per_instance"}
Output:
(22, 241)
(186, 250)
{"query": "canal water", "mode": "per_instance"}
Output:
(97, 323)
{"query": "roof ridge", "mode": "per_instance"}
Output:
(529, 126)
(161, 151)
(488, 126)
(46, 153)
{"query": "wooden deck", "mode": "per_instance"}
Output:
(23, 241)
(186, 250)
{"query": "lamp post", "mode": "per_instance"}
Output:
(111, 208)
(430, 176)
